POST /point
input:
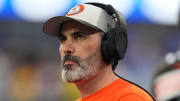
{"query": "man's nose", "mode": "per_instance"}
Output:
(68, 47)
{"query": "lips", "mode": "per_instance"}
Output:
(69, 62)
(69, 65)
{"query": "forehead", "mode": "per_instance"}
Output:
(76, 26)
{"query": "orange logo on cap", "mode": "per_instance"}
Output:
(78, 9)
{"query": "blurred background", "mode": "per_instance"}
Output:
(30, 62)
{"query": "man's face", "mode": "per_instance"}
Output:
(80, 52)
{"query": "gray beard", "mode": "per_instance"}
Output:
(86, 69)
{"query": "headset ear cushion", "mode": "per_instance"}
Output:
(121, 41)
(108, 46)
(104, 49)
(114, 44)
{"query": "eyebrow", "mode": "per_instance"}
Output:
(79, 32)
(83, 31)
(75, 33)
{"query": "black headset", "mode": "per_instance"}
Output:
(114, 41)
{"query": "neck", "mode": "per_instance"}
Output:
(104, 77)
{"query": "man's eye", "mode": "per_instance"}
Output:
(62, 39)
(80, 36)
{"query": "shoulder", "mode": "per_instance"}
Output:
(133, 92)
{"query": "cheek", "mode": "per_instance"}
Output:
(87, 49)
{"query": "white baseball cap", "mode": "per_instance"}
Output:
(90, 15)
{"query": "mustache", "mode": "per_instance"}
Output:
(68, 57)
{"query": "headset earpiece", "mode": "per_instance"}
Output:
(121, 41)
(108, 46)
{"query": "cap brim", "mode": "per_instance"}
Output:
(52, 26)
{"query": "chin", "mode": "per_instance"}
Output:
(70, 76)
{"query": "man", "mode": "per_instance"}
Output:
(92, 40)
(166, 80)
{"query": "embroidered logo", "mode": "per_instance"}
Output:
(76, 10)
